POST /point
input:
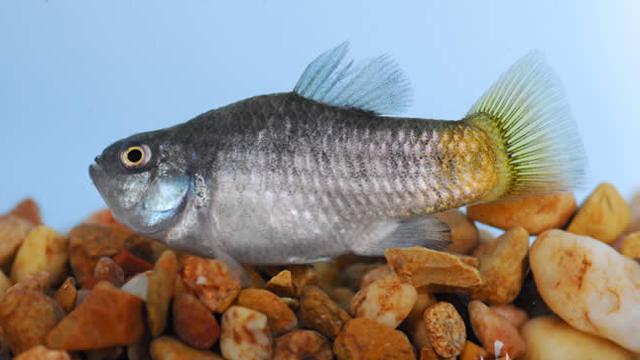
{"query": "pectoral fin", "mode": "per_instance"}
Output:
(424, 231)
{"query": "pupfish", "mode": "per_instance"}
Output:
(331, 168)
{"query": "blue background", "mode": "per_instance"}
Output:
(78, 75)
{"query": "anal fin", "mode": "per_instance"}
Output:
(423, 231)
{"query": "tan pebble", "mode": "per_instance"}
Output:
(281, 318)
(535, 213)
(255, 279)
(66, 294)
(497, 335)
(91, 326)
(13, 231)
(26, 316)
(414, 324)
(342, 296)
(366, 339)
(445, 329)
(387, 300)
(282, 284)
(516, 316)
(160, 291)
(42, 353)
(42, 250)
(88, 243)
(471, 351)
(464, 234)
(319, 312)
(211, 280)
(427, 353)
(502, 268)
(603, 216)
(5, 283)
(168, 348)
(423, 266)
(193, 323)
(302, 344)
(631, 245)
(303, 275)
(374, 274)
(551, 338)
(589, 285)
(106, 270)
(245, 335)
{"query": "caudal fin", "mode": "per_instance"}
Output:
(527, 115)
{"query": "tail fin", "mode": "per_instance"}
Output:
(527, 115)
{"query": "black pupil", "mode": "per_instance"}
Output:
(134, 155)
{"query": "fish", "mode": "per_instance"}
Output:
(332, 168)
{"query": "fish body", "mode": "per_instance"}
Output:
(311, 174)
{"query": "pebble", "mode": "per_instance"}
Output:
(387, 300)
(414, 323)
(631, 245)
(13, 231)
(551, 338)
(281, 318)
(211, 280)
(497, 335)
(422, 266)
(319, 312)
(535, 213)
(88, 243)
(282, 284)
(471, 351)
(604, 215)
(28, 210)
(42, 353)
(160, 291)
(366, 339)
(131, 264)
(502, 268)
(42, 250)
(193, 323)
(589, 285)
(245, 335)
(464, 234)
(26, 316)
(138, 285)
(106, 270)
(302, 344)
(66, 294)
(5, 283)
(516, 316)
(445, 329)
(90, 326)
(378, 272)
(168, 348)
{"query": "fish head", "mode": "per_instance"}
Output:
(144, 181)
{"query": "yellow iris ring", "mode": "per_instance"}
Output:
(129, 154)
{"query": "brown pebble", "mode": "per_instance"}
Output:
(535, 213)
(472, 351)
(319, 312)
(302, 344)
(281, 318)
(168, 348)
(13, 231)
(26, 316)
(106, 270)
(502, 268)
(66, 294)
(492, 328)
(516, 316)
(42, 353)
(422, 266)
(211, 280)
(603, 216)
(366, 339)
(282, 284)
(92, 326)
(193, 323)
(445, 329)
(160, 291)
(131, 264)
(28, 210)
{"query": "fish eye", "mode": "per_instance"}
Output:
(135, 156)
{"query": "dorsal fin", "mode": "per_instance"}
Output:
(376, 85)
